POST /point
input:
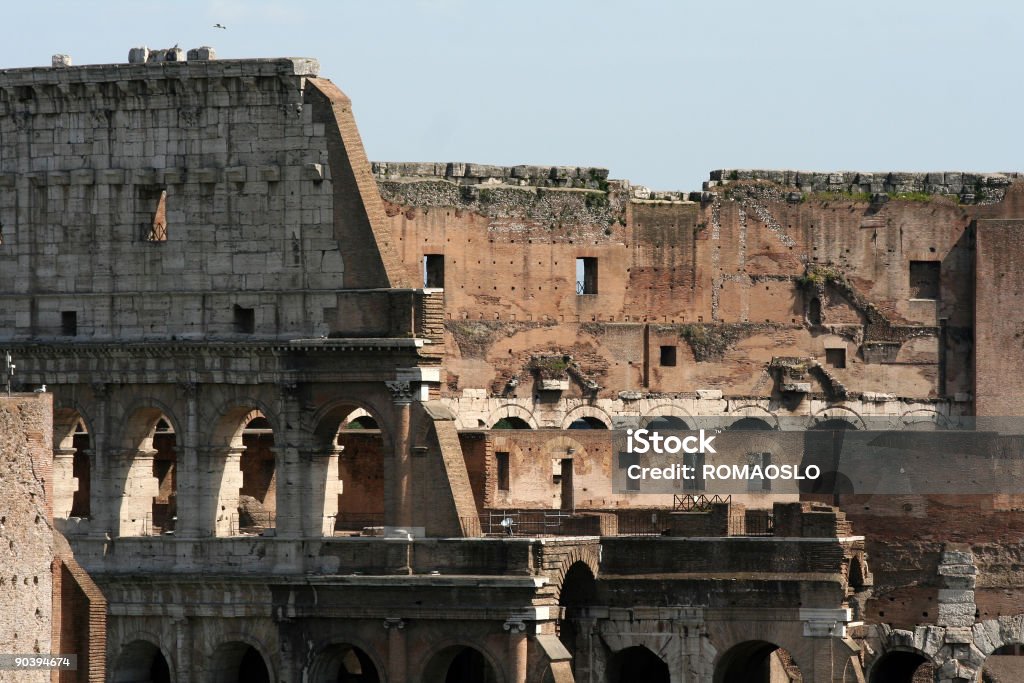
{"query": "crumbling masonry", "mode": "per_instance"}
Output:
(283, 380)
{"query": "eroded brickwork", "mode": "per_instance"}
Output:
(26, 534)
(267, 353)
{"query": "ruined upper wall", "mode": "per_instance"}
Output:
(157, 200)
(968, 187)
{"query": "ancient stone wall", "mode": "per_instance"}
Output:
(181, 200)
(875, 284)
(26, 534)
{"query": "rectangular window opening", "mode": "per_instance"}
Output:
(762, 460)
(627, 460)
(502, 459)
(245, 320)
(69, 323)
(696, 461)
(668, 356)
(433, 270)
(835, 358)
(151, 209)
(586, 275)
(924, 279)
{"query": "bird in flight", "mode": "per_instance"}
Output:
(219, 26)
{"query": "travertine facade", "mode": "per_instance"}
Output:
(280, 377)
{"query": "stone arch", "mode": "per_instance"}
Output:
(668, 410)
(242, 493)
(229, 419)
(736, 640)
(511, 410)
(926, 418)
(1003, 663)
(587, 555)
(332, 657)
(898, 664)
(1000, 633)
(750, 661)
(351, 471)
(65, 416)
(72, 462)
(578, 590)
(836, 413)
(752, 410)
(441, 658)
(145, 468)
(137, 424)
(333, 414)
(586, 411)
(142, 659)
(228, 656)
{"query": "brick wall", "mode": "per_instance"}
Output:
(26, 534)
(999, 283)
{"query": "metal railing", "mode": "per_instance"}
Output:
(759, 523)
(164, 525)
(644, 524)
(697, 503)
(522, 522)
(252, 523)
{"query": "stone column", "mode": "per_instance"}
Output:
(397, 668)
(188, 485)
(401, 392)
(583, 659)
(218, 500)
(288, 492)
(135, 469)
(517, 650)
(64, 482)
(183, 648)
(321, 469)
(106, 502)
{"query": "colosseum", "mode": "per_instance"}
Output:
(281, 414)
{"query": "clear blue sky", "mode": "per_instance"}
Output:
(659, 92)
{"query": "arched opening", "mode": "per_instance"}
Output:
(141, 661)
(165, 471)
(757, 661)
(637, 664)
(834, 424)
(239, 663)
(361, 422)
(579, 590)
(459, 664)
(150, 466)
(587, 422)
(82, 472)
(349, 470)
(257, 496)
(665, 423)
(899, 666)
(749, 424)
(72, 468)
(344, 663)
(814, 311)
(1005, 664)
(511, 422)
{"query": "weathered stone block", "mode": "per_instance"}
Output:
(202, 54)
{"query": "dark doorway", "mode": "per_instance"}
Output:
(902, 667)
(637, 665)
